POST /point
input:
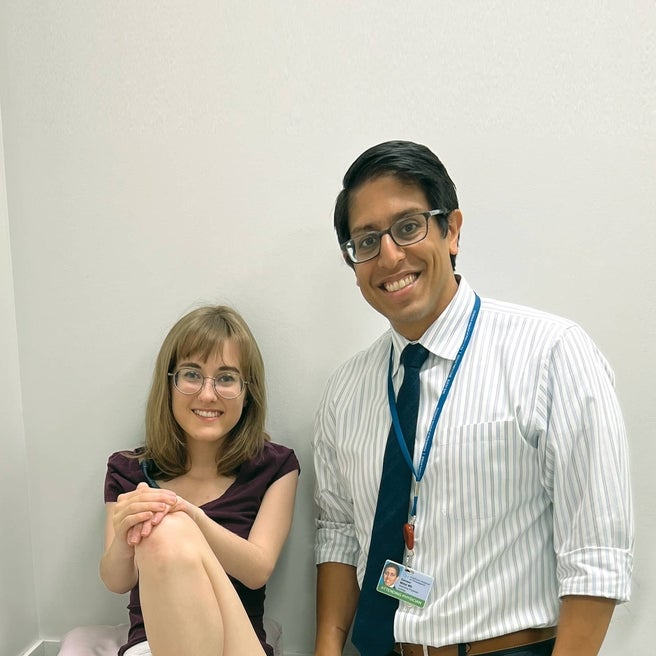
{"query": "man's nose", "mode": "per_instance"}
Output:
(390, 252)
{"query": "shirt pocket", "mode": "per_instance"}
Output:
(479, 469)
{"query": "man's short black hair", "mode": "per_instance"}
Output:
(393, 566)
(411, 163)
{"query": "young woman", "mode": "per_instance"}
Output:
(197, 518)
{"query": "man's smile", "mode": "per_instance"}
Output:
(395, 285)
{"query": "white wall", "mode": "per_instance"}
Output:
(18, 609)
(165, 154)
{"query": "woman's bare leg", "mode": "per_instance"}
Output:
(188, 602)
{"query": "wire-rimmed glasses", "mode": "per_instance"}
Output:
(227, 385)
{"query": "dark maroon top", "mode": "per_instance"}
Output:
(235, 509)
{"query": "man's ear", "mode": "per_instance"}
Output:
(453, 235)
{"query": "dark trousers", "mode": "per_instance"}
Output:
(538, 649)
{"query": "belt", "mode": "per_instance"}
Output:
(489, 645)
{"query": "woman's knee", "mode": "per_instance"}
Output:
(175, 540)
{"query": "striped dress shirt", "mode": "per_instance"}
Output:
(526, 493)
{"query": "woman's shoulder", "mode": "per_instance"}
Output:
(274, 458)
(125, 461)
(123, 473)
(280, 453)
(272, 450)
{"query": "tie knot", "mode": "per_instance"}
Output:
(413, 356)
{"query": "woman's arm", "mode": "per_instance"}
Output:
(252, 561)
(117, 568)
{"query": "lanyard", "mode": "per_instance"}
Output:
(418, 474)
(146, 470)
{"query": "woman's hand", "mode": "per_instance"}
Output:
(135, 513)
(144, 529)
(132, 514)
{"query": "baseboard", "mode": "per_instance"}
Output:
(51, 647)
(43, 648)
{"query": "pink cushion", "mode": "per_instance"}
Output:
(102, 640)
(105, 640)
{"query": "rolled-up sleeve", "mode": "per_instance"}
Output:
(586, 471)
(335, 536)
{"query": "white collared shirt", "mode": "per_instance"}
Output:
(526, 493)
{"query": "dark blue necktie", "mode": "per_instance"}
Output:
(373, 628)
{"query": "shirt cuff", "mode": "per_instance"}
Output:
(596, 572)
(336, 543)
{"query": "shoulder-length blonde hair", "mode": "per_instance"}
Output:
(202, 334)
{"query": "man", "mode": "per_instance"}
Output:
(522, 516)
(391, 574)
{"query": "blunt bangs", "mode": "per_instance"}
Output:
(204, 341)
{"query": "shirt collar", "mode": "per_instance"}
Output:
(444, 336)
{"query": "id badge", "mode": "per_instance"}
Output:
(405, 584)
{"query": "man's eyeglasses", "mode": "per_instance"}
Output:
(228, 384)
(405, 231)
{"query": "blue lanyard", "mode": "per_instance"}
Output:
(419, 474)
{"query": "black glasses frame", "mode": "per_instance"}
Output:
(348, 247)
